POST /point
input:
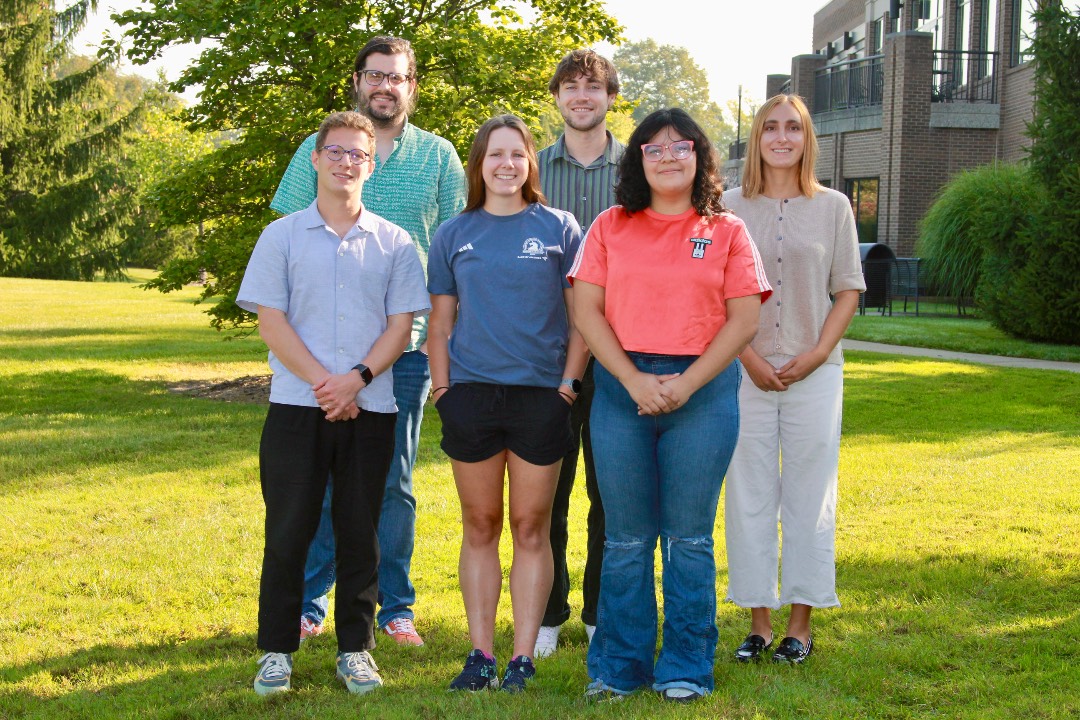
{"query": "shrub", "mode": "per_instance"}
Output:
(1030, 284)
(1031, 280)
(978, 208)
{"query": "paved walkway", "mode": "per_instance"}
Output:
(999, 360)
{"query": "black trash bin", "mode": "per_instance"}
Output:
(878, 261)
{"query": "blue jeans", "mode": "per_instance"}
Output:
(660, 479)
(397, 522)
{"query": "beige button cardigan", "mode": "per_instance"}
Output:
(810, 250)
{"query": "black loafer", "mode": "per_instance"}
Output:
(793, 651)
(752, 648)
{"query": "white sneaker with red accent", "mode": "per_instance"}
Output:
(309, 628)
(402, 630)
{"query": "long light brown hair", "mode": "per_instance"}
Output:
(530, 189)
(753, 179)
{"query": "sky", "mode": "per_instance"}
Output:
(737, 43)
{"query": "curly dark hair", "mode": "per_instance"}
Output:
(632, 191)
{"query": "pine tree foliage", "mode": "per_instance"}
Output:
(64, 205)
(270, 71)
(1030, 281)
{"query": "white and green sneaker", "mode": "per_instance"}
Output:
(275, 672)
(358, 671)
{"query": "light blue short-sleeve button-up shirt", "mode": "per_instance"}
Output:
(336, 294)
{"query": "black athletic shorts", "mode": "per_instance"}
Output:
(480, 420)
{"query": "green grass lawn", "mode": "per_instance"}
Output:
(952, 332)
(131, 538)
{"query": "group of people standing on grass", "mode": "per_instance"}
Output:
(629, 340)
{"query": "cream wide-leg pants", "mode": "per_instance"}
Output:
(785, 468)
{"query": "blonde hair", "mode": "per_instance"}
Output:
(753, 179)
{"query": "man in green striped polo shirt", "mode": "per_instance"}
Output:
(577, 174)
(417, 184)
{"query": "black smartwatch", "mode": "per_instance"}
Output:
(573, 383)
(365, 373)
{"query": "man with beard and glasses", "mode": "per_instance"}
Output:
(578, 174)
(418, 183)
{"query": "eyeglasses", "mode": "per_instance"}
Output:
(680, 150)
(375, 77)
(336, 153)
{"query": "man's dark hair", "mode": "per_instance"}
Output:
(386, 45)
(587, 63)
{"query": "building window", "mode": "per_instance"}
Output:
(929, 20)
(1023, 30)
(982, 64)
(875, 35)
(988, 39)
(961, 25)
(863, 193)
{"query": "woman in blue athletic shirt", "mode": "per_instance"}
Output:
(505, 368)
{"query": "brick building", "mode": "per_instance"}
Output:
(906, 94)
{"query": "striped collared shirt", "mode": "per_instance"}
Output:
(585, 192)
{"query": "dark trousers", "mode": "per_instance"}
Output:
(298, 452)
(558, 607)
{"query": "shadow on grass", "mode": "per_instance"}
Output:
(64, 424)
(939, 636)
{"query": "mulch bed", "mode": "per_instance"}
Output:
(250, 389)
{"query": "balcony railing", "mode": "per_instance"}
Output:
(964, 76)
(849, 84)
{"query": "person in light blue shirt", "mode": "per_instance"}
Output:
(418, 183)
(336, 289)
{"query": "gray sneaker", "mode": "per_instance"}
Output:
(275, 672)
(358, 671)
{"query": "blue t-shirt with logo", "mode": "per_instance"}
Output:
(508, 274)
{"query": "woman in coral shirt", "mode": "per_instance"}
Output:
(667, 289)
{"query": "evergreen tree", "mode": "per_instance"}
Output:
(62, 203)
(1030, 281)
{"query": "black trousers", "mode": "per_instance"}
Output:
(558, 606)
(298, 452)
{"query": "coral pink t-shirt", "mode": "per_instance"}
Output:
(666, 277)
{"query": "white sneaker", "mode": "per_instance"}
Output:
(546, 640)
(275, 671)
(589, 630)
(358, 671)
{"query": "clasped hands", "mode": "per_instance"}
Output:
(658, 394)
(768, 378)
(336, 395)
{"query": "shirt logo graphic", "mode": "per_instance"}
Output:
(533, 246)
(699, 247)
(466, 246)
(533, 249)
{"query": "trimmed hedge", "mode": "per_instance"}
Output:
(977, 209)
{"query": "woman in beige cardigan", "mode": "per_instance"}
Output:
(806, 236)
